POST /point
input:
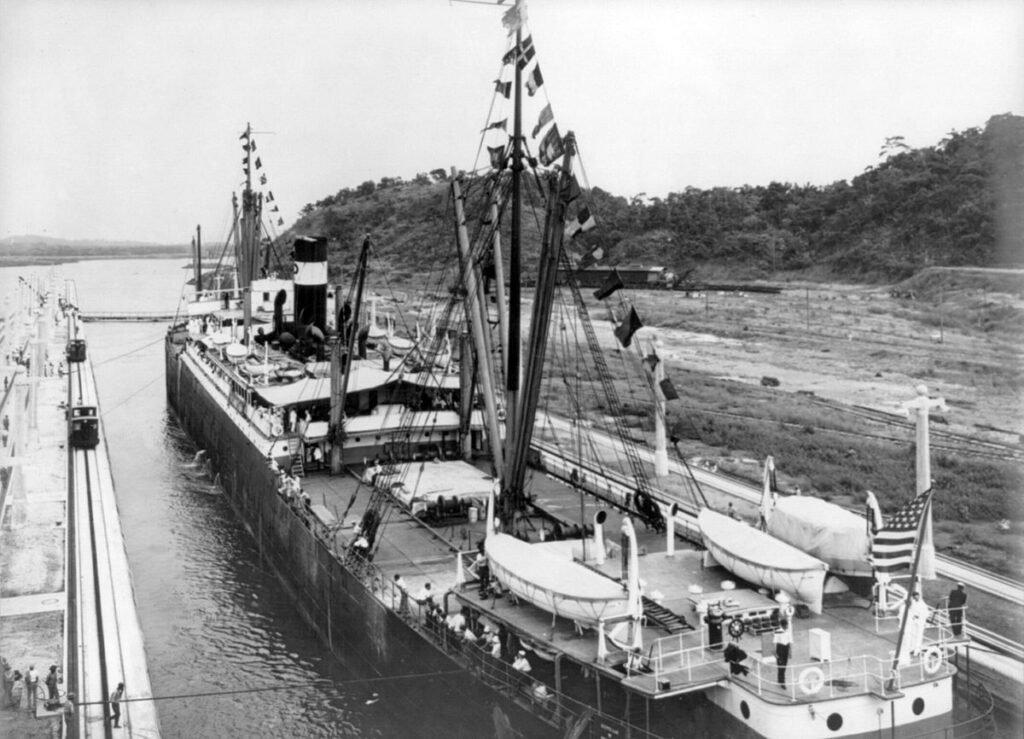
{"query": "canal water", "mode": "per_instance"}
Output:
(228, 655)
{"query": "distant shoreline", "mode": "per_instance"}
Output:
(30, 255)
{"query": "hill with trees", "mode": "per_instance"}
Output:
(957, 203)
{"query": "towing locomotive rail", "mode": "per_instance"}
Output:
(104, 642)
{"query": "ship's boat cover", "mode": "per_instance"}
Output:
(762, 559)
(824, 530)
(553, 582)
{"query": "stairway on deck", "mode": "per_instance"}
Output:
(656, 613)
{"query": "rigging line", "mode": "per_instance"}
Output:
(108, 411)
(306, 684)
(132, 351)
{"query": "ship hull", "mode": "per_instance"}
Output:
(332, 600)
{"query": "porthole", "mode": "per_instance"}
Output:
(834, 722)
(744, 709)
(918, 706)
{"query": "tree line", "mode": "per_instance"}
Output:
(957, 203)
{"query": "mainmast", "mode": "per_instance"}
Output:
(341, 364)
(248, 234)
(513, 420)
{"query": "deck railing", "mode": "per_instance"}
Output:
(681, 654)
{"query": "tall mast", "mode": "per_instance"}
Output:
(515, 255)
(513, 420)
(198, 241)
(341, 364)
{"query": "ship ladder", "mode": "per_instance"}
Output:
(656, 613)
(295, 450)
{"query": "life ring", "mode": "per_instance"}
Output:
(737, 628)
(277, 429)
(811, 680)
(788, 611)
(932, 660)
(501, 414)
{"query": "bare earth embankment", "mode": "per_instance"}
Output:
(845, 358)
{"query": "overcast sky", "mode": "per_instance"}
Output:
(120, 119)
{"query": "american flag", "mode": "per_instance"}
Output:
(893, 546)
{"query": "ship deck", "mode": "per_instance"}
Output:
(847, 650)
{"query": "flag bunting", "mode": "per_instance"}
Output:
(551, 146)
(583, 222)
(534, 82)
(668, 389)
(497, 124)
(593, 256)
(527, 54)
(612, 283)
(505, 88)
(624, 332)
(497, 156)
(546, 116)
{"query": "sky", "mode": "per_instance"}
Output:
(120, 119)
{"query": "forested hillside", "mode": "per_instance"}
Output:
(957, 203)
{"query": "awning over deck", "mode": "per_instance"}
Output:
(363, 377)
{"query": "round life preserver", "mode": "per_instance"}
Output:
(932, 660)
(277, 429)
(737, 628)
(788, 611)
(501, 414)
(811, 680)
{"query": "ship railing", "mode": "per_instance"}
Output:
(808, 681)
(256, 428)
(680, 653)
(548, 704)
(888, 622)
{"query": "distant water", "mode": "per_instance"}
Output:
(225, 647)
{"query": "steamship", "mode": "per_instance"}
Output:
(369, 466)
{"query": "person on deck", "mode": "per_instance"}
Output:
(956, 605)
(521, 663)
(917, 619)
(783, 639)
(403, 602)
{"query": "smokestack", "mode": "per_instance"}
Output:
(311, 281)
